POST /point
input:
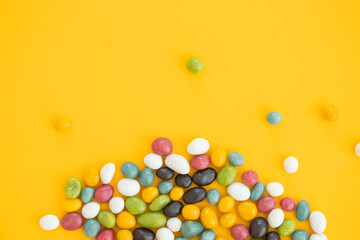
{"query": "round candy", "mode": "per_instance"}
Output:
(126, 220)
(106, 234)
(317, 222)
(90, 210)
(164, 234)
(332, 113)
(247, 211)
(239, 232)
(287, 227)
(226, 204)
(130, 169)
(128, 187)
(200, 162)
(208, 218)
(173, 209)
(204, 177)
(195, 65)
(116, 205)
(300, 235)
(257, 191)
(152, 220)
(91, 228)
(92, 177)
(191, 212)
(71, 205)
(176, 193)
(274, 118)
(73, 188)
(165, 187)
(318, 236)
(72, 221)
(135, 205)
(63, 124)
(291, 164)
(153, 161)
(159, 203)
(236, 159)
(287, 204)
(162, 146)
(276, 218)
(207, 234)
(49, 222)
(194, 195)
(107, 173)
(198, 146)
(174, 224)
(124, 235)
(266, 204)
(191, 229)
(226, 175)
(106, 218)
(272, 236)
(239, 191)
(183, 180)
(213, 196)
(250, 178)
(177, 163)
(143, 234)
(258, 227)
(275, 189)
(302, 211)
(104, 193)
(146, 177)
(218, 157)
(228, 220)
(165, 173)
(87, 194)
(149, 194)
(357, 149)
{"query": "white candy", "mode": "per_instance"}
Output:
(238, 191)
(107, 173)
(174, 224)
(198, 146)
(153, 161)
(164, 234)
(49, 222)
(275, 189)
(128, 187)
(318, 236)
(318, 222)
(276, 218)
(116, 205)
(291, 164)
(357, 149)
(90, 210)
(177, 163)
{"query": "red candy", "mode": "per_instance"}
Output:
(106, 234)
(162, 146)
(266, 204)
(72, 221)
(200, 162)
(250, 178)
(104, 193)
(287, 204)
(239, 232)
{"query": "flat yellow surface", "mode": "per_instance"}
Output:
(117, 69)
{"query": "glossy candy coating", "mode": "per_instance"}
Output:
(149, 194)
(73, 188)
(258, 227)
(236, 159)
(162, 146)
(72, 221)
(226, 175)
(143, 234)
(173, 209)
(204, 177)
(125, 220)
(130, 169)
(87, 194)
(135, 205)
(200, 162)
(165, 173)
(194, 195)
(92, 177)
(106, 218)
(104, 193)
(213, 196)
(183, 180)
(152, 220)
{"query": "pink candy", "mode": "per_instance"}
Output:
(162, 146)
(200, 162)
(287, 204)
(239, 232)
(104, 193)
(106, 234)
(250, 178)
(72, 221)
(266, 204)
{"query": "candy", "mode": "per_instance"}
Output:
(191, 229)
(87, 194)
(218, 157)
(164, 234)
(116, 205)
(194, 195)
(291, 164)
(257, 191)
(143, 234)
(181, 238)
(90, 210)
(276, 218)
(104, 193)
(106, 234)
(71, 205)
(317, 222)
(63, 124)
(195, 65)
(208, 234)
(135, 205)
(130, 169)
(250, 178)
(146, 177)
(275, 189)
(204, 177)
(302, 211)
(272, 236)
(226, 204)
(239, 191)
(357, 150)
(174, 224)
(49, 222)
(213, 196)
(287, 227)
(300, 235)
(258, 227)
(159, 203)
(162, 146)
(92, 177)
(173, 209)
(274, 118)
(287, 204)
(332, 113)
(228, 220)
(226, 175)
(152, 220)
(165, 187)
(107, 173)
(208, 218)
(176, 193)
(318, 236)
(177, 163)
(124, 235)
(266, 204)
(239, 232)
(165, 173)
(73, 188)
(106, 218)
(72, 221)
(183, 180)
(149, 194)
(247, 211)
(153, 161)
(91, 228)
(125, 220)
(128, 187)
(220, 238)
(200, 162)
(191, 212)
(198, 146)
(236, 159)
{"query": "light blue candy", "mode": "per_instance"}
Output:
(191, 229)
(181, 238)
(236, 159)
(302, 211)
(274, 118)
(208, 234)
(213, 196)
(87, 194)
(300, 235)
(146, 177)
(165, 187)
(257, 191)
(91, 228)
(130, 169)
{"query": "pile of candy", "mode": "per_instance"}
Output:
(169, 209)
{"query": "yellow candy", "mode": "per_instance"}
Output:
(228, 220)
(149, 194)
(208, 218)
(126, 220)
(191, 212)
(226, 204)
(71, 205)
(176, 193)
(247, 211)
(124, 235)
(63, 124)
(220, 238)
(332, 113)
(218, 157)
(92, 177)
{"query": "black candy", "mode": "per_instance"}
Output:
(173, 209)
(143, 234)
(183, 180)
(258, 227)
(204, 177)
(194, 195)
(165, 173)
(272, 236)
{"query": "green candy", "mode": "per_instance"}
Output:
(208, 234)
(191, 229)
(257, 191)
(287, 227)
(226, 175)
(73, 188)
(236, 159)
(159, 203)
(106, 218)
(135, 205)
(152, 220)
(195, 65)
(302, 211)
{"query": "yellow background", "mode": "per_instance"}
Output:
(117, 69)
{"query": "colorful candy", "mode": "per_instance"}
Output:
(90, 210)
(228, 220)
(207, 234)
(317, 222)
(208, 218)
(153, 161)
(198, 146)
(240, 232)
(165, 187)
(159, 203)
(152, 220)
(164, 234)
(165, 173)
(49, 222)
(104, 193)
(213, 196)
(116, 205)
(332, 113)
(287, 227)
(177, 163)
(258, 227)
(173, 209)
(176, 193)
(143, 234)
(204, 177)
(250, 178)
(275, 189)
(195, 65)
(135, 205)
(272, 236)
(247, 211)
(73, 188)
(92, 177)
(236, 159)
(162, 146)
(87, 194)
(194, 195)
(91, 228)
(276, 218)
(274, 118)
(146, 177)
(287, 204)
(124, 235)
(200, 162)
(266, 204)
(71, 205)
(302, 211)
(125, 220)
(106, 234)
(291, 164)
(183, 180)
(107, 173)
(226, 175)
(257, 191)
(191, 212)
(130, 169)
(218, 157)
(106, 218)
(128, 187)
(149, 194)
(239, 191)
(191, 229)
(72, 221)
(300, 235)
(174, 224)
(226, 204)
(63, 124)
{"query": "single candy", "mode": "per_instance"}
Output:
(228, 220)
(266, 204)
(146, 177)
(128, 187)
(317, 222)
(239, 191)
(226, 204)
(124, 235)
(183, 180)
(198, 146)
(130, 169)
(153, 161)
(204, 177)
(87, 194)
(276, 218)
(92, 177)
(357, 150)
(181, 238)
(73, 188)
(106, 234)
(194, 195)
(257, 191)
(272, 236)
(152, 220)
(107, 173)
(226, 175)
(258, 227)
(174, 224)
(318, 236)
(159, 203)
(173, 209)
(300, 235)
(195, 65)
(176, 193)
(287, 227)
(208, 234)
(247, 211)
(106, 218)
(332, 113)
(125, 220)
(165, 187)
(191, 229)
(213, 196)
(218, 157)
(191, 212)
(164, 234)
(162, 146)
(274, 118)
(71, 205)
(239, 232)
(275, 189)
(49, 222)
(143, 234)
(72, 221)
(116, 205)
(287, 204)
(177, 163)
(104, 193)
(91, 228)
(200, 162)
(236, 159)
(250, 178)
(291, 164)
(208, 218)
(165, 173)
(63, 124)
(302, 211)
(149, 194)
(90, 210)
(135, 205)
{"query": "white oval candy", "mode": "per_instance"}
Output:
(177, 163)
(357, 149)
(174, 224)
(198, 146)
(276, 218)
(90, 210)
(128, 187)
(153, 161)
(275, 189)
(116, 205)
(107, 173)
(238, 191)
(49, 222)
(318, 236)
(291, 164)
(318, 222)
(164, 234)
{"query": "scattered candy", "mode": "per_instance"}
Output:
(90, 210)
(159, 203)
(107, 173)
(228, 220)
(165, 187)
(266, 204)
(165, 173)
(177, 163)
(176, 193)
(152, 220)
(116, 205)
(213, 196)
(71, 205)
(130, 169)
(272, 236)
(153, 161)
(287, 227)
(318, 236)
(106, 234)
(288, 204)
(247, 211)
(191, 229)
(191, 212)
(135, 205)
(300, 235)
(274, 118)
(106, 218)
(258, 227)
(239, 191)
(128, 187)
(275, 189)
(332, 113)
(208, 218)
(198, 146)
(236, 159)
(91, 228)
(104, 193)
(63, 124)
(194, 195)
(49, 222)
(125, 220)
(302, 211)
(164, 234)
(162, 146)
(226, 204)
(87, 194)
(73, 188)
(183, 180)
(149, 194)
(218, 157)
(226, 175)
(276, 218)
(173, 209)
(204, 177)
(200, 162)
(124, 235)
(72, 221)
(239, 232)
(195, 65)
(317, 222)
(257, 191)
(291, 164)
(207, 234)
(146, 177)
(143, 234)
(250, 178)
(174, 224)
(92, 177)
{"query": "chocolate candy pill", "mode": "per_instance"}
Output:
(258, 227)
(143, 234)
(165, 173)
(183, 180)
(173, 209)
(194, 195)
(272, 236)
(204, 177)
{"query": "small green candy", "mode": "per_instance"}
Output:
(226, 175)
(73, 188)
(106, 218)
(135, 205)
(159, 203)
(236, 159)
(152, 220)
(274, 118)
(165, 187)
(287, 227)
(195, 65)
(87, 194)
